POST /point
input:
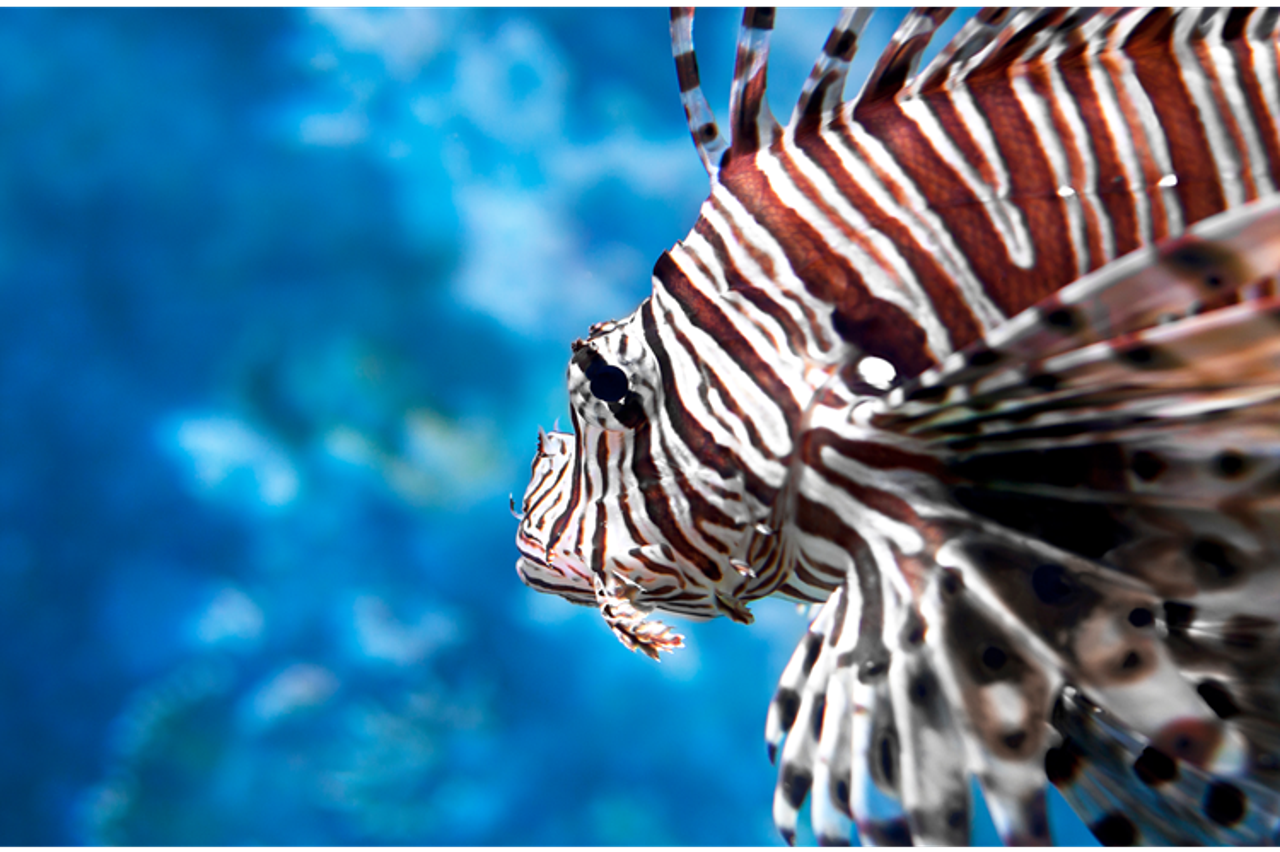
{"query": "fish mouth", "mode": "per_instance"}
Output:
(561, 578)
(544, 563)
(541, 577)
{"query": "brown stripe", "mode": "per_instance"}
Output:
(1110, 184)
(818, 329)
(1076, 150)
(879, 327)
(875, 499)
(802, 574)
(818, 519)
(572, 593)
(993, 15)
(841, 44)
(659, 511)
(811, 116)
(599, 537)
(744, 122)
(587, 497)
(1227, 117)
(713, 382)
(758, 18)
(624, 503)
(687, 71)
(796, 594)
(703, 513)
(1011, 288)
(698, 441)
(1032, 188)
(877, 455)
(708, 316)
(571, 505)
(1015, 44)
(544, 492)
(762, 260)
(766, 304)
(948, 304)
(891, 72)
(1251, 90)
(1149, 48)
(687, 597)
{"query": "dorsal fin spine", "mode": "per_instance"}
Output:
(898, 63)
(702, 121)
(823, 91)
(752, 125)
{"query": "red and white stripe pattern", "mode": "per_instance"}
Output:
(859, 380)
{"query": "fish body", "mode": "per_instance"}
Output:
(986, 362)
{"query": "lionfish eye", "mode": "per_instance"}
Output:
(608, 383)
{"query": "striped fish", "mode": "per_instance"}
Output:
(986, 362)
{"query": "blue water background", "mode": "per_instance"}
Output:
(284, 297)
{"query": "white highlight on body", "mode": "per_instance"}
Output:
(1037, 112)
(1113, 114)
(877, 372)
(933, 231)
(1082, 144)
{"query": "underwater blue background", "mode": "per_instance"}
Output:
(284, 297)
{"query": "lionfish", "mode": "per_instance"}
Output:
(985, 361)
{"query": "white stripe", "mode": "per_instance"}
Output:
(1037, 112)
(783, 285)
(748, 320)
(700, 250)
(1118, 129)
(1004, 216)
(752, 399)
(1265, 59)
(1082, 144)
(1221, 147)
(876, 529)
(1229, 79)
(928, 230)
(763, 241)
(897, 285)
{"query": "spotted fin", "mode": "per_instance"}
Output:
(885, 744)
(1117, 451)
(1131, 792)
(801, 698)
(841, 741)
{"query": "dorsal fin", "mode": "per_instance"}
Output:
(702, 121)
(898, 62)
(1026, 33)
(977, 33)
(1039, 146)
(824, 90)
(752, 125)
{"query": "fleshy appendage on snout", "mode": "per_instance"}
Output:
(549, 563)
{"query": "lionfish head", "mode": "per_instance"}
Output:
(585, 534)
